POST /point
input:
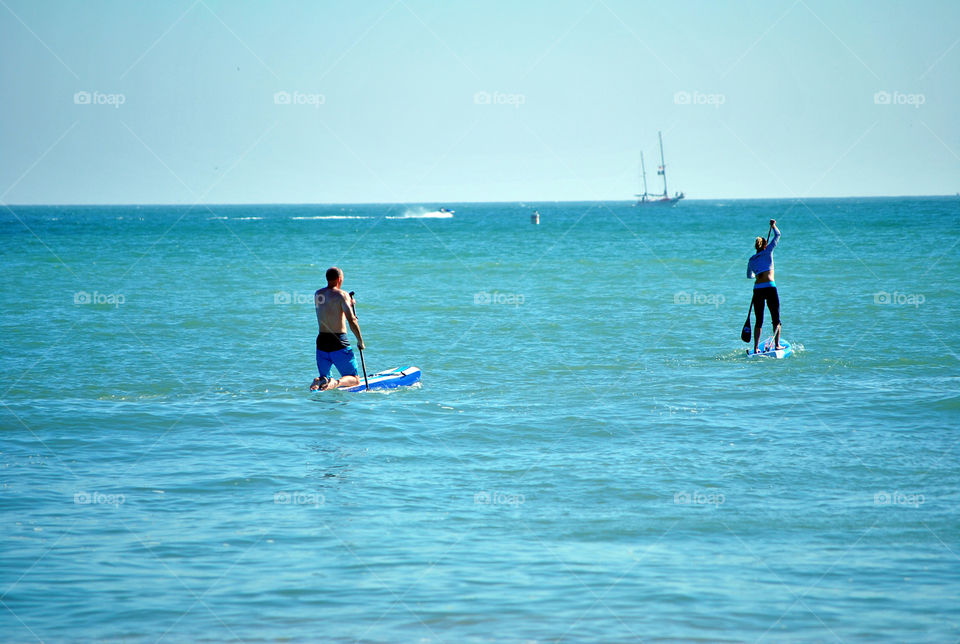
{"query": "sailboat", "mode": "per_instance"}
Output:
(661, 200)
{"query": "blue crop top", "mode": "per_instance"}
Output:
(763, 261)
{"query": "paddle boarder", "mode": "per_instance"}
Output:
(760, 266)
(334, 312)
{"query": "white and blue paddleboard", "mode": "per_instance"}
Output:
(766, 350)
(389, 379)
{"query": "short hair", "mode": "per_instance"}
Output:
(759, 243)
(333, 274)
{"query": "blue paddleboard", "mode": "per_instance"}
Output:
(389, 379)
(766, 350)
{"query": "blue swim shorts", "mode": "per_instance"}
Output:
(343, 359)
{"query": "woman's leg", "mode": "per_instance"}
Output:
(757, 313)
(773, 301)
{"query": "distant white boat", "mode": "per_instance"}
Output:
(422, 213)
(665, 199)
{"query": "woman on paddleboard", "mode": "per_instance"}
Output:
(760, 266)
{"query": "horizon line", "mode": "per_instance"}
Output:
(420, 203)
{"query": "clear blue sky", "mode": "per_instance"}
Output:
(781, 100)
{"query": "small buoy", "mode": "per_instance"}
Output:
(535, 217)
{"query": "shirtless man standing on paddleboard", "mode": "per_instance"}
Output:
(334, 312)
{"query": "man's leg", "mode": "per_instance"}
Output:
(344, 381)
(324, 365)
(347, 366)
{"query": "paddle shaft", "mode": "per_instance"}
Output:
(363, 365)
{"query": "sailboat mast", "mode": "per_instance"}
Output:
(663, 166)
(643, 169)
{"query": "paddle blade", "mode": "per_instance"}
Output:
(745, 334)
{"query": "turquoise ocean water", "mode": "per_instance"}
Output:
(590, 455)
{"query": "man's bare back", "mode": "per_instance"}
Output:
(333, 310)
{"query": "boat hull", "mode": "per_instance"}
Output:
(668, 201)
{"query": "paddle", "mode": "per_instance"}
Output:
(745, 333)
(362, 364)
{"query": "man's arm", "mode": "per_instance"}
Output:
(347, 306)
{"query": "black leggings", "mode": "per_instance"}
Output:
(769, 295)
